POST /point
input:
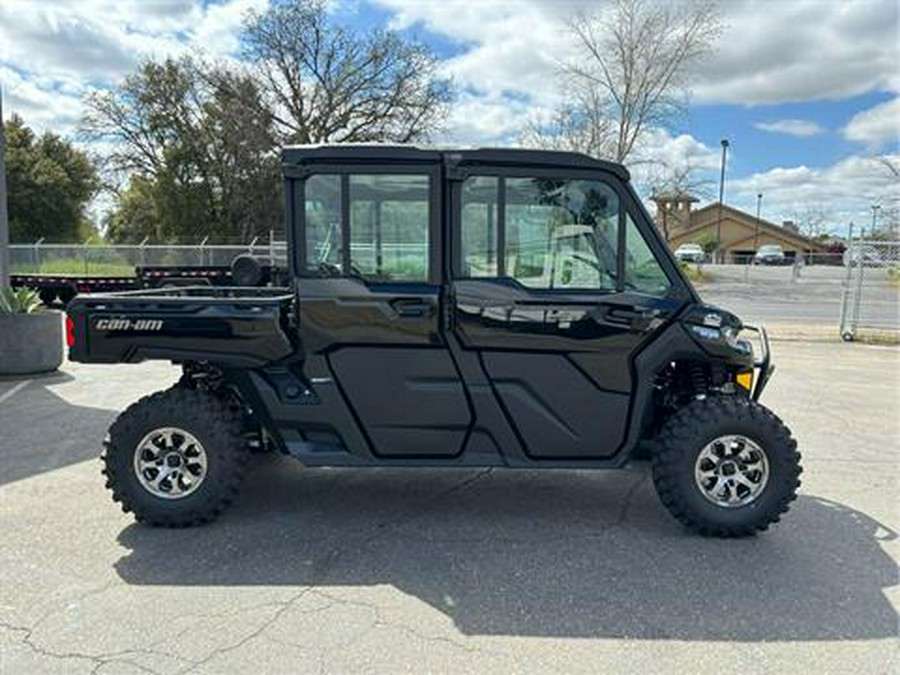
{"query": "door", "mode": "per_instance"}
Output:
(556, 288)
(369, 292)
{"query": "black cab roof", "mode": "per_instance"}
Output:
(295, 155)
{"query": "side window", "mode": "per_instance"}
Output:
(479, 226)
(390, 216)
(389, 219)
(561, 233)
(324, 243)
(642, 271)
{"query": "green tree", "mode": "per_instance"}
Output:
(50, 185)
(196, 160)
(196, 145)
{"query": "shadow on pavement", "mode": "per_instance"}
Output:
(562, 554)
(39, 431)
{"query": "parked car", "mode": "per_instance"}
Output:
(580, 349)
(690, 253)
(770, 254)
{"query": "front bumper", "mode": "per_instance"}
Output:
(763, 363)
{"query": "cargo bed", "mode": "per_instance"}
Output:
(236, 326)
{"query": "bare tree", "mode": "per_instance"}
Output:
(664, 178)
(631, 70)
(893, 170)
(811, 220)
(574, 126)
(324, 83)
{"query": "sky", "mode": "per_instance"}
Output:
(805, 91)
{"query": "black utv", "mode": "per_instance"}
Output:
(448, 308)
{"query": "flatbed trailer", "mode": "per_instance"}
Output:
(64, 287)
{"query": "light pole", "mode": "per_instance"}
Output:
(875, 208)
(758, 207)
(721, 198)
(4, 213)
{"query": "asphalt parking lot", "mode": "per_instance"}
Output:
(774, 295)
(337, 571)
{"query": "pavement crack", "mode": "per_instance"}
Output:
(453, 489)
(285, 606)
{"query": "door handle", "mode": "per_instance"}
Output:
(412, 308)
(639, 318)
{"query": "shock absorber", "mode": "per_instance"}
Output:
(698, 379)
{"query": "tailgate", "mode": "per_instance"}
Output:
(240, 327)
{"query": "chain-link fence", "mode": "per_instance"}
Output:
(120, 260)
(871, 289)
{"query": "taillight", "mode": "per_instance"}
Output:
(70, 332)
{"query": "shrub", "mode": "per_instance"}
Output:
(19, 301)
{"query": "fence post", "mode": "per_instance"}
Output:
(857, 299)
(252, 244)
(85, 253)
(845, 295)
(142, 253)
(36, 254)
(202, 247)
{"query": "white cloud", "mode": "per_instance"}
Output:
(802, 128)
(877, 125)
(845, 190)
(803, 50)
(44, 105)
(658, 148)
(769, 52)
(52, 52)
(514, 48)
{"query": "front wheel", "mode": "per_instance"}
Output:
(726, 466)
(175, 458)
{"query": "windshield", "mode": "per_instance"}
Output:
(771, 248)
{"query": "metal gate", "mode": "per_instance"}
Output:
(871, 289)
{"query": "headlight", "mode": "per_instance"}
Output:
(728, 335)
(707, 333)
(731, 337)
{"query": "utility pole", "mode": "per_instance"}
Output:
(758, 222)
(4, 211)
(721, 198)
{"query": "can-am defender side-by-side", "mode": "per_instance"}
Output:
(448, 308)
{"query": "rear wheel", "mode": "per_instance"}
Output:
(726, 466)
(175, 458)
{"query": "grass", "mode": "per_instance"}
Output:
(695, 272)
(894, 275)
(76, 267)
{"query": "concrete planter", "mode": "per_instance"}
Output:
(31, 343)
